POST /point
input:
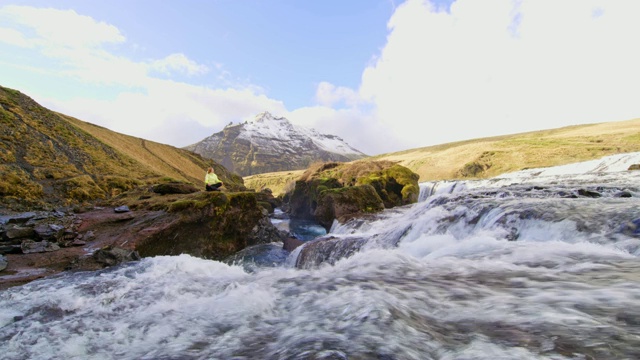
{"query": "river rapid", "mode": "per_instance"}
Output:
(540, 264)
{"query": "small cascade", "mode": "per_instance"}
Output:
(597, 213)
(431, 188)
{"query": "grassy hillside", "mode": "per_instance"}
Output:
(488, 157)
(49, 159)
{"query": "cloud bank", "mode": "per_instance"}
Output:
(500, 66)
(150, 101)
(474, 69)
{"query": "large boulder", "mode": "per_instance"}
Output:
(346, 202)
(342, 191)
(211, 225)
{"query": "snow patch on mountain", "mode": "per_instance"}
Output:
(267, 129)
(271, 143)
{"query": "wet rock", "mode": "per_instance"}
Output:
(513, 234)
(110, 256)
(328, 249)
(631, 228)
(567, 195)
(623, 194)
(291, 243)
(122, 209)
(3, 263)
(50, 232)
(629, 317)
(17, 218)
(589, 193)
(18, 232)
(634, 167)
(31, 246)
(10, 249)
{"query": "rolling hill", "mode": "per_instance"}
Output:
(50, 159)
(489, 157)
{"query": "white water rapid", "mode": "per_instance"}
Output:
(540, 264)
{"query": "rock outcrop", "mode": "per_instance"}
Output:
(340, 191)
(212, 225)
(49, 160)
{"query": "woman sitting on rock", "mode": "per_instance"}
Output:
(211, 181)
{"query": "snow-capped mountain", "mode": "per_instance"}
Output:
(271, 143)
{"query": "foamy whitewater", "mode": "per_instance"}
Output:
(540, 264)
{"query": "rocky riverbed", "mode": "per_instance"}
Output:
(38, 244)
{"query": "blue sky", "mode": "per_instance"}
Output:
(384, 75)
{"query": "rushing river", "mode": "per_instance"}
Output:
(542, 264)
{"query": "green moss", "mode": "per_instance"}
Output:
(181, 205)
(396, 185)
(266, 205)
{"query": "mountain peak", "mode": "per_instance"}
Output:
(266, 116)
(271, 143)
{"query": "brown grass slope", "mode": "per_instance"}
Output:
(489, 157)
(50, 159)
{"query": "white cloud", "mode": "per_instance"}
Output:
(66, 28)
(501, 66)
(145, 106)
(330, 95)
(166, 106)
(180, 63)
(359, 128)
(14, 37)
(482, 68)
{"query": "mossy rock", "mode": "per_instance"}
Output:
(345, 203)
(174, 188)
(211, 225)
(396, 185)
(304, 198)
(373, 183)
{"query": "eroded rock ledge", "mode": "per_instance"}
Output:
(209, 225)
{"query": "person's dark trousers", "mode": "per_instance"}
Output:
(213, 187)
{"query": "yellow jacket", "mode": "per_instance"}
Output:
(211, 178)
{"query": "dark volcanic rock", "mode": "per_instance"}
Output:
(110, 256)
(328, 249)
